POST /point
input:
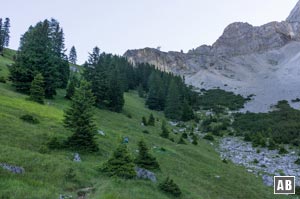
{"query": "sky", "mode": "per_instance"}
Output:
(118, 25)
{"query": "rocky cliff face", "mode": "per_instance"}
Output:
(246, 59)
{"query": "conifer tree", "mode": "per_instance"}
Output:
(144, 121)
(41, 50)
(151, 121)
(173, 103)
(115, 94)
(121, 164)
(71, 88)
(165, 132)
(187, 111)
(155, 100)
(79, 119)
(170, 187)
(73, 55)
(6, 31)
(141, 91)
(37, 92)
(145, 159)
(181, 140)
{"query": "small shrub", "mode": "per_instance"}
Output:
(30, 119)
(54, 144)
(146, 132)
(184, 135)
(128, 115)
(163, 149)
(209, 137)
(144, 121)
(168, 186)
(255, 161)
(225, 161)
(297, 161)
(2, 79)
(282, 150)
(172, 139)
(181, 141)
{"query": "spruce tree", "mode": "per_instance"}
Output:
(145, 159)
(155, 100)
(41, 50)
(170, 187)
(71, 88)
(165, 132)
(73, 55)
(1, 37)
(187, 111)
(121, 164)
(141, 91)
(144, 121)
(181, 140)
(37, 92)
(79, 119)
(115, 93)
(173, 103)
(6, 31)
(151, 121)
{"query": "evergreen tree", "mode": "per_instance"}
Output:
(2, 37)
(37, 92)
(73, 55)
(151, 121)
(41, 50)
(165, 132)
(187, 111)
(173, 104)
(115, 94)
(144, 121)
(145, 159)
(120, 164)
(79, 119)
(141, 91)
(155, 100)
(71, 87)
(181, 140)
(6, 31)
(170, 187)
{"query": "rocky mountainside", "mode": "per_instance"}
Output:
(246, 59)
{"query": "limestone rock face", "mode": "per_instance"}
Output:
(261, 60)
(294, 16)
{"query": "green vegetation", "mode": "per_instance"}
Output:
(145, 159)
(281, 126)
(217, 100)
(120, 164)
(37, 92)
(169, 186)
(79, 119)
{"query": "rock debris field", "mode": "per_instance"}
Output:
(265, 163)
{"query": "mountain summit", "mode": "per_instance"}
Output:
(294, 16)
(250, 60)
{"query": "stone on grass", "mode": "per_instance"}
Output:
(101, 133)
(77, 158)
(145, 174)
(13, 169)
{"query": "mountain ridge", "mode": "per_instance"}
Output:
(234, 57)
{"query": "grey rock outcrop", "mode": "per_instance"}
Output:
(77, 157)
(13, 169)
(248, 59)
(145, 174)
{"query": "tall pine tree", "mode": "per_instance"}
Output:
(173, 103)
(79, 119)
(155, 100)
(6, 31)
(73, 55)
(41, 50)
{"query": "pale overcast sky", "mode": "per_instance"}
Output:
(118, 25)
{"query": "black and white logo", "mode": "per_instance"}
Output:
(284, 184)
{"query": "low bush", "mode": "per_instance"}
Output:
(170, 187)
(30, 119)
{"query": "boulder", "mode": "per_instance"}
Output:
(13, 169)
(145, 174)
(77, 158)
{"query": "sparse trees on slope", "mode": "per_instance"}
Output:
(73, 55)
(37, 92)
(79, 119)
(155, 100)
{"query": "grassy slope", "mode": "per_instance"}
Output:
(193, 167)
